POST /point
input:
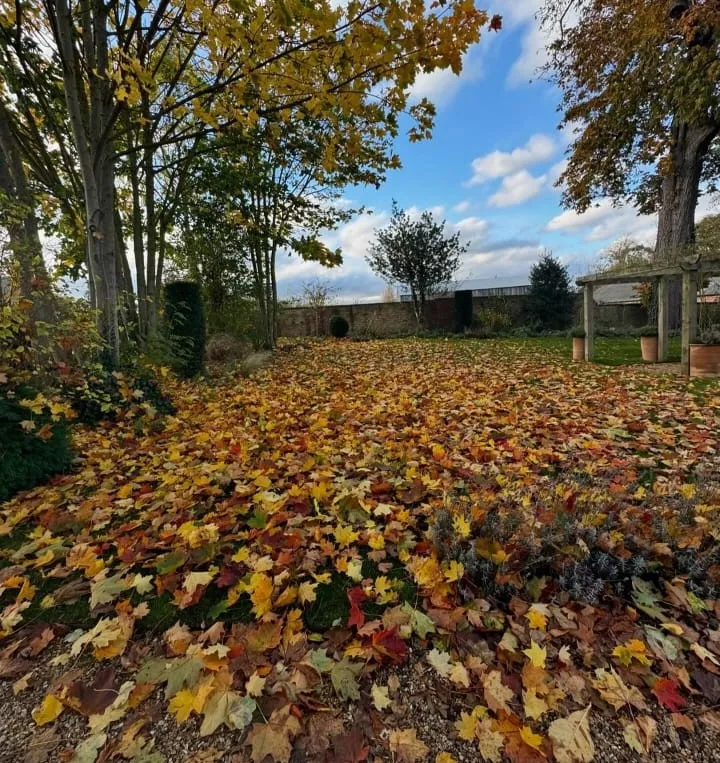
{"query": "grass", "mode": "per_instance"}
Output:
(609, 351)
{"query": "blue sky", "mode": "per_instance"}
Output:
(489, 170)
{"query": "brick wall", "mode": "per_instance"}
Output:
(384, 319)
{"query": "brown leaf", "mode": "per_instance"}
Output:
(350, 747)
(682, 721)
(273, 738)
(406, 746)
(39, 746)
(95, 698)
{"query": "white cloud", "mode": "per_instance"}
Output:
(517, 188)
(570, 220)
(414, 212)
(441, 86)
(533, 55)
(508, 261)
(472, 230)
(461, 207)
(501, 163)
(522, 14)
(606, 221)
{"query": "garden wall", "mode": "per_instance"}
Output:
(383, 319)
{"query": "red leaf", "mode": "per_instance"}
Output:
(666, 691)
(388, 644)
(496, 23)
(357, 616)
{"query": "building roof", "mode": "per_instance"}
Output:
(499, 282)
(480, 284)
(627, 294)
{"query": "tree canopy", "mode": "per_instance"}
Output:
(640, 96)
(417, 253)
(550, 302)
(126, 91)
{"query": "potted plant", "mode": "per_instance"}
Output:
(649, 343)
(705, 353)
(578, 343)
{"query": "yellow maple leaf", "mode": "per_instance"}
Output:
(444, 757)
(306, 592)
(261, 590)
(345, 535)
(461, 526)
(454, 572)
(48, 711)
(537, 654)
(466, 726)
(536, 619)
(530, 738)
(634, 649)
(187, 701)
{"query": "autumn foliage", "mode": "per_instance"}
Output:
(289, 535)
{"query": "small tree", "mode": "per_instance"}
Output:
(318, 295)
(416, 253)
(550, 301)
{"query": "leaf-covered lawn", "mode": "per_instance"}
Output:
(543, 534)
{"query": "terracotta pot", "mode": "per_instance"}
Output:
(649, 348)
(578, 348)
(705, 360)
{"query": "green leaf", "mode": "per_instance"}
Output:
(258, 520)
(170, 562)
(87, 750)
(103, 590)
(419, 621)
(646, 598)
(320, 661)
(343, 675)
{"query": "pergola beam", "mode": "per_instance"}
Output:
(703, 268)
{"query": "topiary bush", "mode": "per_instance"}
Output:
(33, 447)
(339, 327)
(185, 325)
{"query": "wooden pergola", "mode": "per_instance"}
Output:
(692, 273)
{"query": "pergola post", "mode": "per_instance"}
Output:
(663, 318)
(689, 313)
(589, 321)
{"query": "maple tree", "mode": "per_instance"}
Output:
(542, 538)
(640, 97)
(144, 82)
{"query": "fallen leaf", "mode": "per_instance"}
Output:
(571, 738)
(406, 747)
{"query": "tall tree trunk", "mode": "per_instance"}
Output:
(22, 224)
(138, 246)
(150, 220)
(678, 200)
(89, 100)
(679, 190)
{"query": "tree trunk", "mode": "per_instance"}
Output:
(150, 220)
(88, 94)
(679, 190)
(138, 247)
(678, 200)
(22, 225)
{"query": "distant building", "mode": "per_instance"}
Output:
(627, 293)
(481, 287)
